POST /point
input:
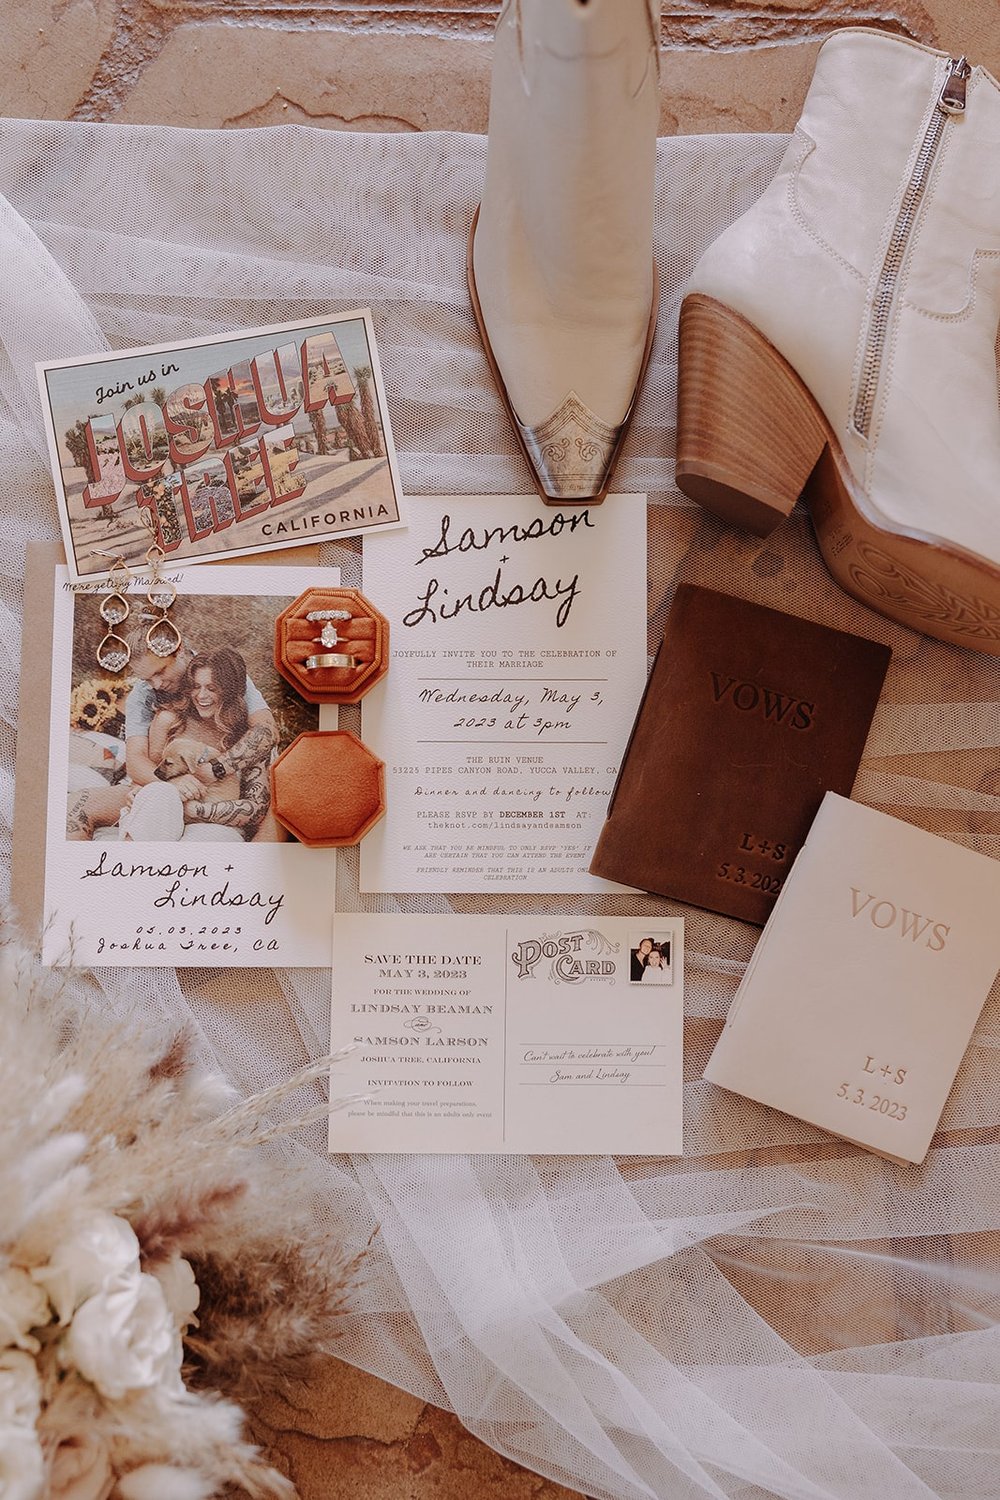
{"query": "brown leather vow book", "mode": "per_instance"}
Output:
(748, 718)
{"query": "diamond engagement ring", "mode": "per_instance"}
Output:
(328, 636)
(332, 659)
(318, 615)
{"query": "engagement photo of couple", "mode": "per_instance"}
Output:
(649, 961)
(179, 747)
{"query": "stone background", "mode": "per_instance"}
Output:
(397, 66)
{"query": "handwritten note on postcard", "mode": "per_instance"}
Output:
(519, 659)
(536, 1034)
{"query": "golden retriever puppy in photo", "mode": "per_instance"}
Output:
(188, 757)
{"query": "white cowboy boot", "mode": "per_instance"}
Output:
(561, 268)
(839, 340)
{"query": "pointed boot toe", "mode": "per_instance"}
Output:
(572, 453)
(560, 267)
(838, 341)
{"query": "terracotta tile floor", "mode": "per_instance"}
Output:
(398, 66)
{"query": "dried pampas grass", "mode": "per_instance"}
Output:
(156, 1265)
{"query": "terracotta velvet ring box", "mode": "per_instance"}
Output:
(331, 645)
(328, 788)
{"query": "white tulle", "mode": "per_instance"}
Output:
(776, 1313)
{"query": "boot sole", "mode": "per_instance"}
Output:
(751, 440)
(477, 312)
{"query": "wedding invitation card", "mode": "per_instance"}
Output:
(150, 858)
(865, 987)
(519, 654)
(534, 1034)
(251, 441)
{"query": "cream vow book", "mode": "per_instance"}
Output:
(865, 987)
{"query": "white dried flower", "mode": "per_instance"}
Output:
(81, 1468)
(23, 1306)
(180, 1291)
(20, 1391)
(22, 1468)
(22, 1471)
(100, 1246)
(123, 1338)
(164, 1482)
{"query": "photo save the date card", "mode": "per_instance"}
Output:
(551, 1034)
(152, 858)
(267, 438)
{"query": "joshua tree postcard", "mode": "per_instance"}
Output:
(226, 446)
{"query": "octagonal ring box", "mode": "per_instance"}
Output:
(327, 788)
(365, 635)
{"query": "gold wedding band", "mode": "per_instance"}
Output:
(332, 659)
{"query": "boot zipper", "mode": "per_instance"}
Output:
(950, 101)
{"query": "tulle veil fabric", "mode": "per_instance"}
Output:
(774, 1313)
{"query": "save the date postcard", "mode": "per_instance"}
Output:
(266, 438)
(546, 1035)
(150, 860)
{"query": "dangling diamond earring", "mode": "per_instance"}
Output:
(162, 638)
(113, 653)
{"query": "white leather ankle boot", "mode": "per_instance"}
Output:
(839, 340)
(561, 268)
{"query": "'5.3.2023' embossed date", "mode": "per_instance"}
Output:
(893, 1109)
(757, 880)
